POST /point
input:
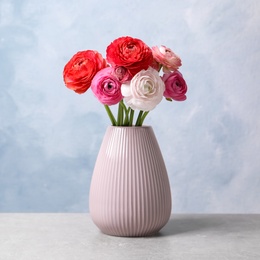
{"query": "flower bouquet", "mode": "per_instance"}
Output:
(133, 75)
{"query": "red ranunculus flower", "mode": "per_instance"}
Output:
(81, 69)
(131, 53)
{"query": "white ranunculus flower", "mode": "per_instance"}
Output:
(144, 91)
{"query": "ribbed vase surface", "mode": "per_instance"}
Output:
(130, 191)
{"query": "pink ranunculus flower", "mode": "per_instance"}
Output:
(122, 74)
(106, 87)
(167, 58)
(175, 86)
(144, 91)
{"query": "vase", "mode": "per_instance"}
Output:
(130, 191)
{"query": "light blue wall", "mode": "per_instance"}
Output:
(50, 136)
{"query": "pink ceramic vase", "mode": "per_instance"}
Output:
(130, 191)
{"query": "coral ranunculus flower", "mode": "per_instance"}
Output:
(131, 53)
(165, 56)
(81, 69)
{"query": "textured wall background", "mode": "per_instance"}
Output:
(50, 136)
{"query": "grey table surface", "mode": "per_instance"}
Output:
(74, 237)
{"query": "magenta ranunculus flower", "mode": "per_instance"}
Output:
(167, 58)
(122, 73)
(106, 87)
(175, 86)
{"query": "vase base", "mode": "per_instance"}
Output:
(131, 232)
(129, 235)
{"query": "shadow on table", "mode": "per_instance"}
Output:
(186, 224)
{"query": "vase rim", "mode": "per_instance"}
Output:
(132, 127)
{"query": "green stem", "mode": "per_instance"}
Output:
(138, 120)
(126, 122)
(112, 118)
(143, 117)
(126, 111)
(120, 114)
(132, 112)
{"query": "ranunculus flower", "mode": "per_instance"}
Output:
(80, 70)
(122, 74)
(175, 86)
(156, 65)
(165, 56)
(144, 91)
(131, 53)
(106, 87)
